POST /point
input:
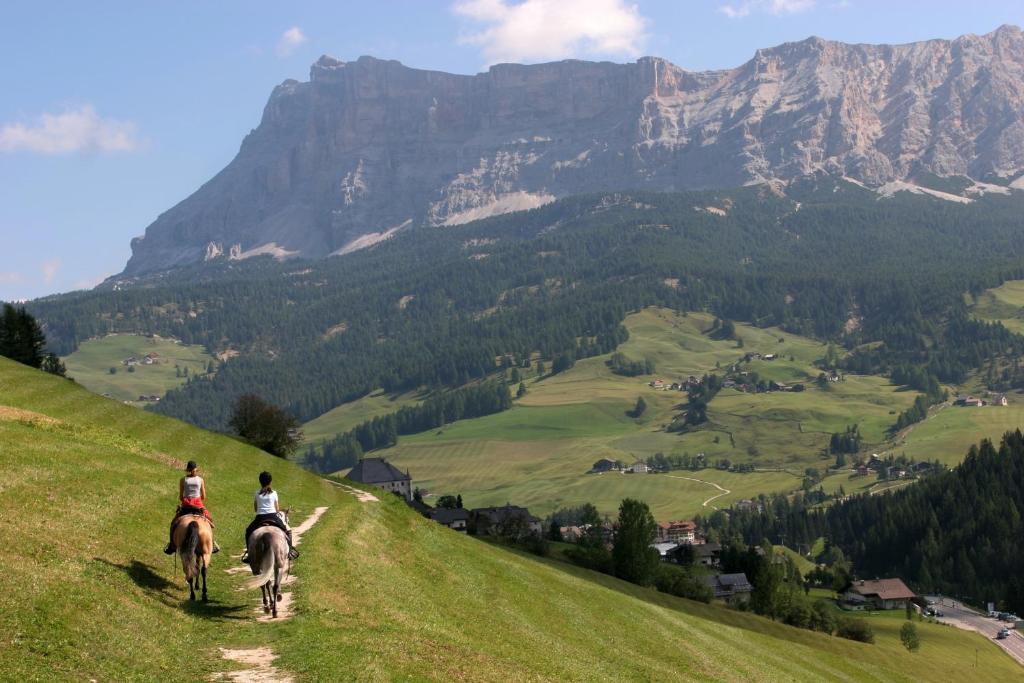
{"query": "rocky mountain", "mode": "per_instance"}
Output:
(366, 148)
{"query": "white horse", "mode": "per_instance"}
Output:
(268, 552)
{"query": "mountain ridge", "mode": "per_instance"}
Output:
(366, 148)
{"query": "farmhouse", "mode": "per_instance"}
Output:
(969, 401)
(456, 519)
(707, 554)
(664, 548)
(657, 384)
(380, 472)
(730, 586)
(506, 519)
(1000, 400)
(677, 532)
(879, 594)
(639, 467)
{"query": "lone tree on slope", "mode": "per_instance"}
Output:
(265, 426)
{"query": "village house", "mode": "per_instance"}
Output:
(969, 401)
(730, 586)
(604, 465)
(639, 467)
(571, 534)
(878, 594)
(380, 472)
(489, 521)
(707, 554)
(1000, 400)
(657, 384)
(862, 470)
(456, 519)
(664, 548)
(746, 504)
(677, 532)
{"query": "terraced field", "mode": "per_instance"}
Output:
(538, 453)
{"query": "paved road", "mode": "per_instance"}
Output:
(964, 617)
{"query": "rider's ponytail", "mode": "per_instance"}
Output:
(265, 480)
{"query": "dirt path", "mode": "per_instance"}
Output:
(724, 492)
(261, 659)
(361, 496)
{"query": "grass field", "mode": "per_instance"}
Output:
(348, 415)
(949, 432)
(382, 594)
(538, 453)
(90, 365)
(1004, 303)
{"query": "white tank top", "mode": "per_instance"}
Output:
(266, 503)
(193, 487)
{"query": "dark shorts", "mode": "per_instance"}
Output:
(269, 519)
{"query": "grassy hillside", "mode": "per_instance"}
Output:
(90, 365)
(346, 416)
(382, 593)
(1004, 303)
(538, 453)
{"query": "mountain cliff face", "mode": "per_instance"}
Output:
(370, 147)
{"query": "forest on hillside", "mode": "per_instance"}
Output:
(442, 307)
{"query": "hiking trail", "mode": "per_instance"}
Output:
(261, 659)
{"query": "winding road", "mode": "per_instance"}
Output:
(724, 492)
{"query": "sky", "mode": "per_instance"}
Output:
(113, 112)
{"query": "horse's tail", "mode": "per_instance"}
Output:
(188, 548)
(267, 562)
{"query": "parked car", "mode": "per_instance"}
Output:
(939, 613)
(1003, 634)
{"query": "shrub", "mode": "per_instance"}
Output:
(856, 629)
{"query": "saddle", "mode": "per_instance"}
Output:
(184, 510)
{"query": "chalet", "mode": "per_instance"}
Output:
(879, 594)
(657, 384)
(730, 586)
(922, 468)
(130, 361)
(677, 532)
(968, 401)
(895, 472)
(506, 519)
(456, 519)
(1000, 400)
(604, 465)
(707, 554)
(639, 467)
(380, 472)
(572, 534)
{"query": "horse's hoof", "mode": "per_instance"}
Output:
(266, 610)
(279, 597)
(274, 615)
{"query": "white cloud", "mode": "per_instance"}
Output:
(50, 269)
(290, 40)
(10, 278)
(777, 7)
(540, 30)
(75, 130)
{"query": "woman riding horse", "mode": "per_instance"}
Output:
(267, 508)
(191, 501)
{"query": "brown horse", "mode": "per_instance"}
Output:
(193, 536)
(268, 555)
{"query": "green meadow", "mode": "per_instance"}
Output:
(538, 453)
(381, 593)
(1004, 303)
(90, 365)
(348, 415)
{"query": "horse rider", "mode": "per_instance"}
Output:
(268, 512)
(191, 501)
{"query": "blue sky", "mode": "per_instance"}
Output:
(113, 112)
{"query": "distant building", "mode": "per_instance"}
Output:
(456, 519)
(492, 521)
(1001, 400)
(664, 548)
(879, 594)
(707, 554)
(639, 467)
(657, 384)
(730, 586)
(677, 531)
(380, 472)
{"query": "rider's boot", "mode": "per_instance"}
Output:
(169, 550)
(216, 548)
(292, 552)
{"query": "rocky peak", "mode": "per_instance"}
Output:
(369, 147)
